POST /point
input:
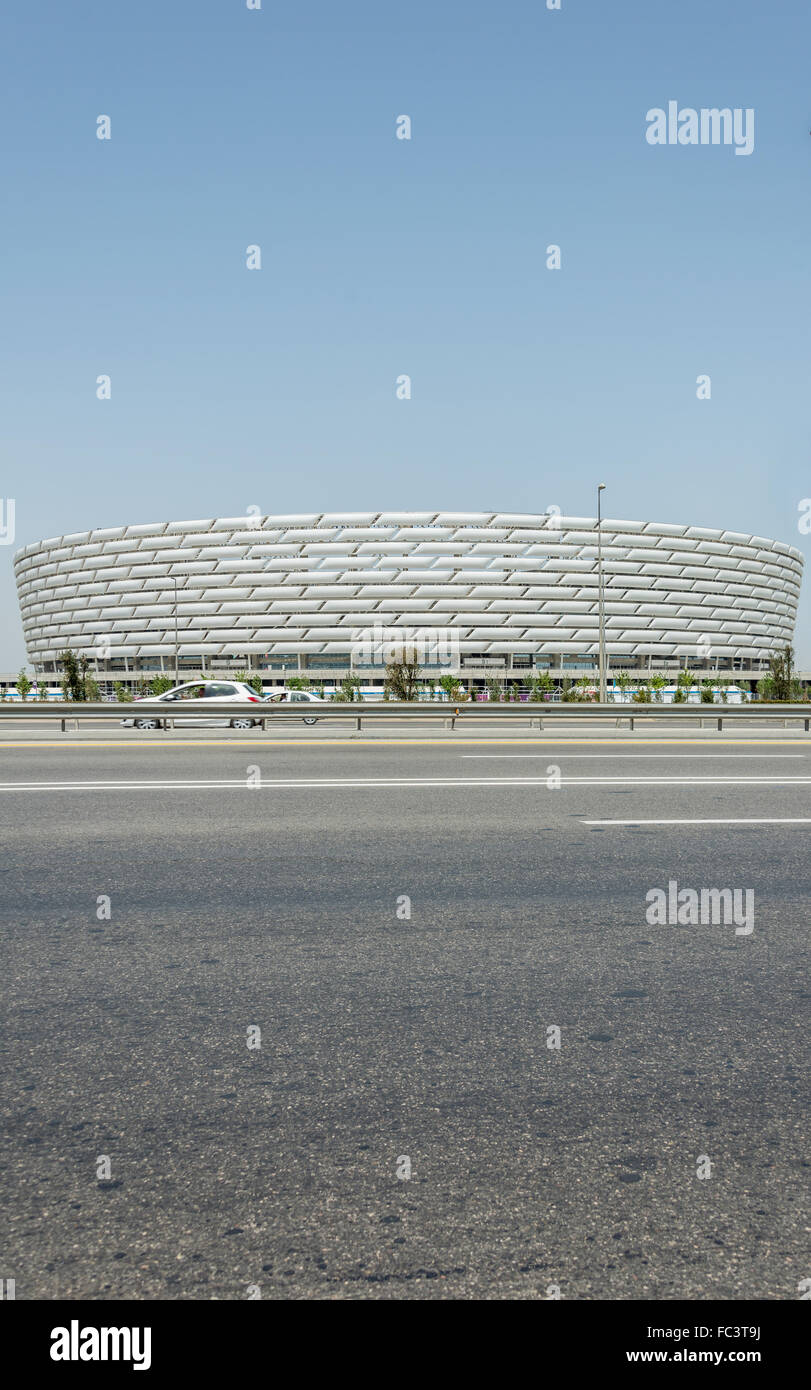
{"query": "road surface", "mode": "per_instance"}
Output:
(405, 922)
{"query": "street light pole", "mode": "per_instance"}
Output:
(600, 599)
(177, 664)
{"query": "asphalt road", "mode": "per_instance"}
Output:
(256, 881)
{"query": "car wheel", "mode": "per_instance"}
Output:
(308, 719)
(243, 723)
(146, 724)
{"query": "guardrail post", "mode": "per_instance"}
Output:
(720, 725)
(806, 725)
(631, 723)
(358, 723)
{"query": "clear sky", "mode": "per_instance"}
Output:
(233, 388)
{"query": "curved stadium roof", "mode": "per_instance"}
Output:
(505, 582)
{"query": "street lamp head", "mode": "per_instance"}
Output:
(601, 487)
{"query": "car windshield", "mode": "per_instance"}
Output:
(180, 692)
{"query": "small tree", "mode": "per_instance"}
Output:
(160, 684)
(641, 695)
(72, 677)
(350, 686)
(657, 685)
(348, 692)
(78, 683)
(684, 682)
(402, 675)
(254, 682)
(623, 680)
(707, 691)
(546, 684)
(780, 672)
(782, 683)
(122, 693)
(23, 685)
(297, 682)
(450, 686)
(493, 688)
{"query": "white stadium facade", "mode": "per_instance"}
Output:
(516, 593)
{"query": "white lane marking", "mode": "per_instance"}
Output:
(688, 756)
(165, 784)
(712, 820)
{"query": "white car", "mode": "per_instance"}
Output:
(186, 704)
(296, 697)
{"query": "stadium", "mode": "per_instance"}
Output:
(488, 594)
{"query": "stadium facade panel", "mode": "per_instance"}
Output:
(306, 585)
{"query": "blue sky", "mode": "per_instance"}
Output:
(276, 388)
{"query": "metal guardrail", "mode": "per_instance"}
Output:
(537, 714)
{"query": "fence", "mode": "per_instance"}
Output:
(536, 715)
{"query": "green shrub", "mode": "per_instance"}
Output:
(450, 686)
